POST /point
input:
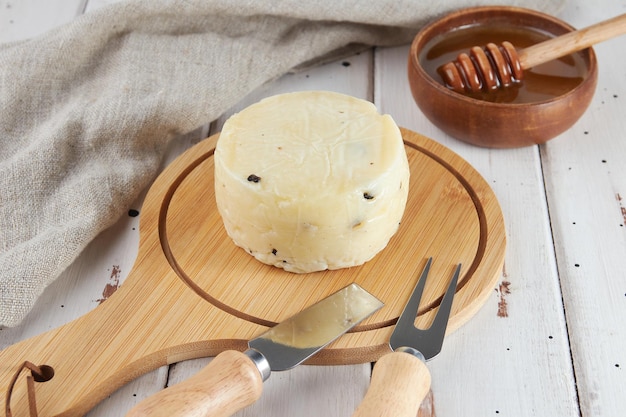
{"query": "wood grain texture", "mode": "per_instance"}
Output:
(585, 178)
(227, 384)
(304, 391)
(572, 42)
(400, 382)
(192, 293)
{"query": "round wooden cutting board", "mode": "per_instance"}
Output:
(193, 293)
(451, 215)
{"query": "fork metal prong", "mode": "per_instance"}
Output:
(437, 329)
(427, 341)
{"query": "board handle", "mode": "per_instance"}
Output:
(230, 382)
(89, 358)
(400, 382)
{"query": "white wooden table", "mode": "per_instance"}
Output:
(550, 341)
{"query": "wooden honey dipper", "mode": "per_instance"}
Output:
(499, 66)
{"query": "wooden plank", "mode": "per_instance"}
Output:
(586, 185)
(524, 314)
(23, 19)
(305, 391)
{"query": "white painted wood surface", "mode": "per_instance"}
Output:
(551, 341)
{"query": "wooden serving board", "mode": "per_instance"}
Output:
(193, 293)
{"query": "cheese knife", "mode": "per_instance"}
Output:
(400, 380)
(233, 380)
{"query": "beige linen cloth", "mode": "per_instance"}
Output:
(87, 109)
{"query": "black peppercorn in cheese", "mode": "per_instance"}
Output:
(312, 180)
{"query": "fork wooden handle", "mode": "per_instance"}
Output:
(400, 382)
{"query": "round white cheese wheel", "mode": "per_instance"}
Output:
(312, 180)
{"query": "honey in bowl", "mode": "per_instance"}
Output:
(541, 83)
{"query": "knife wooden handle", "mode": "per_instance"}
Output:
(230, 382)
(400, 382)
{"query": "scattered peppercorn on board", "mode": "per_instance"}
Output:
(193, 293)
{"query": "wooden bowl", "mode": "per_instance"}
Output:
(498, 125)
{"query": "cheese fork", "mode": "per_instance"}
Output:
(401, 380)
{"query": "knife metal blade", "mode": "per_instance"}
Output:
(234, 380)
(299, 337)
